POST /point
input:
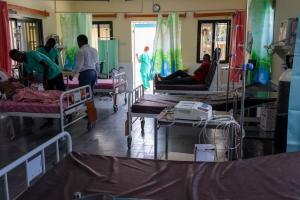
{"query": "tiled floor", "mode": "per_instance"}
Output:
(107, 138)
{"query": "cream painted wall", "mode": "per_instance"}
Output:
(284, 9)
(122, 26)
(49, 23)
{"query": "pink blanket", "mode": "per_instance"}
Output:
(34, 96)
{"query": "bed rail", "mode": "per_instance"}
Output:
(72, 101)
(118, 78)
(134, 96)
(36, 155)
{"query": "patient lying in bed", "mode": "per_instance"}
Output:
(181, 77)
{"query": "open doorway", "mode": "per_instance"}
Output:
(143, 33)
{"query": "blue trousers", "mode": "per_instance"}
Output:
(87, 77)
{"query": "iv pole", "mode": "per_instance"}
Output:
(245, 68)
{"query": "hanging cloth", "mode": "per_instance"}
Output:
(72, 25)
(237, 48)
(5, 61)
(167, 53)
(108, 54)
(293, 135)
(261, 15)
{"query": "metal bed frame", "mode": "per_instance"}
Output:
(117, 78)
(33, 158)
(194, 92)
(135, 96)
(81, 95)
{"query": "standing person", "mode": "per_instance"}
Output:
(87, 61)
(50, 50)
(35, 62)
(145, 60)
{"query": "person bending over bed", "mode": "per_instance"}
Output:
(181, 77)
(39, 63)
(36, 62)
(50, 50)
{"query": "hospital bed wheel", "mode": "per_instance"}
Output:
(129, 140)
(116, 108)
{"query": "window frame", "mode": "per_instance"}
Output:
(228, 38)
(39, 22)
(98, 23)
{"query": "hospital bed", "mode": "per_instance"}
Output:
(192, 88)
(70, 102)
(141, 105)
(117, 84)
(271, 177)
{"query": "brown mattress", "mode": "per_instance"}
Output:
(154, 104)
(194, 87)
(268, 178)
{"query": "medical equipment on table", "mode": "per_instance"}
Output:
(223, 121)
(205, 152)
(192, 110)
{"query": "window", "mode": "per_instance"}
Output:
(102, 30)
(26, 33)
(213, 34)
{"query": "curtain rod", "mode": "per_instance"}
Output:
(111, 15)
(213, 14)
(43, 13)
(126, 15)
(162, 12)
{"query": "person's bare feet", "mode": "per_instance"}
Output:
(156, 79)
(160, 78)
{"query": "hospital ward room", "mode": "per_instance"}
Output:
(149, 100)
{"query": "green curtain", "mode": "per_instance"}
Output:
(108, 54)
(167, 53)
(73, 25)
(261, 14)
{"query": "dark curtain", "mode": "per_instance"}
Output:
(5, 61)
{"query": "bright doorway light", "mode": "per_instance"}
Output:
(143, 33)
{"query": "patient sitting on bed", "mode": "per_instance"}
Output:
(181, 77)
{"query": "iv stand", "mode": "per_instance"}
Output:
(244, 73)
